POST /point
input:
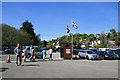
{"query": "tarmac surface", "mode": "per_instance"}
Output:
(59, 68)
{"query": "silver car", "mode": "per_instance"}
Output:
(88, 54)
(26, 51)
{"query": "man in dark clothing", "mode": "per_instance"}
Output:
(18, 53)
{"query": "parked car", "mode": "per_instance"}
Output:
(5, 47)
(117, 53)
(111, 55)
(26, 51)
(38, 52)
(75, 54)
(101, 54)
(54, 50)
(118, 49)
(94, 50)
(9, 50)
(88, 54)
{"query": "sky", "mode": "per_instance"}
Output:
(50, 18)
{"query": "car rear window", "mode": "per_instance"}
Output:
(90, 52)
(82, 51)
(117, 52)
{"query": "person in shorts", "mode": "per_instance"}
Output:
(44, 53)
(18, 53)
(50, 52)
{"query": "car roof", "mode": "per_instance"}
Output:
(85, 50)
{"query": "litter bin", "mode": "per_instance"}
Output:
(61, 52)
(67, 50)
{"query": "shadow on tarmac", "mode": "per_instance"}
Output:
(48, 60)
(31, 65)
(3, 69)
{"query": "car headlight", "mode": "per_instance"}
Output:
(90, 56)
(106, 55)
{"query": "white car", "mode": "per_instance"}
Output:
(26, 51)
(88, 54)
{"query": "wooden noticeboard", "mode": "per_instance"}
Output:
(67, 50)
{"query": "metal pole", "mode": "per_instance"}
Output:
(72, 42)
(66, 38)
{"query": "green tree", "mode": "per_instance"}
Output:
(28, 27)
(113, 31)
(12, 36)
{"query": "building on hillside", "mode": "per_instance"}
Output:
(111, 44)
(93, 43)
(97, 35)
(85, 43)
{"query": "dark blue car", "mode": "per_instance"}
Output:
(111, 55)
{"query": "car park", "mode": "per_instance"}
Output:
(88, 54)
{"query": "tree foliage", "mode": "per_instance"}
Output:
(28, 27)
(12, 36)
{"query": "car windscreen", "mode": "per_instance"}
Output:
(117, 52)
(110, 52)
(90, 52)
(82, 51)
(100, 52)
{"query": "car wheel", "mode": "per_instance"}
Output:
(36, 56)
(79, 56)
(103, 57)
(87, 57)
(28, 55)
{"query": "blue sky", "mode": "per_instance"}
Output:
(50, 18)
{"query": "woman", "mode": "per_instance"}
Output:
(44, 52)
(32, 53)
(50, 52)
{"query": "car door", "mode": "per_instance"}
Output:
(28, 50)
(83, 54)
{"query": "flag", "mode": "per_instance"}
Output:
(68, 30)
(74, 25)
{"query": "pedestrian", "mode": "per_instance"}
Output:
(44, 53)
(50, 52)
(32, 52)
(18, 53)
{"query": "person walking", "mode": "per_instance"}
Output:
(50, 52)
(44, 53)
(32, 52)
(18, 53)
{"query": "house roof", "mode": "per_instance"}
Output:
(112, 42)
(85, 42)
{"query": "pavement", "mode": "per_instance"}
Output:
(59, 68)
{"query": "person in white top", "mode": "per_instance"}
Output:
(50, 52)
(18, 53)
(32, 52)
